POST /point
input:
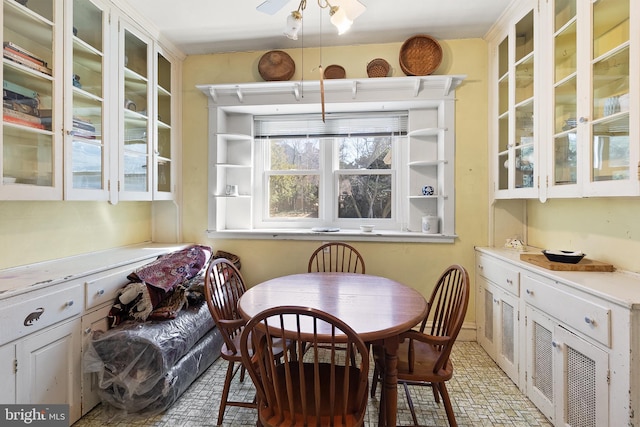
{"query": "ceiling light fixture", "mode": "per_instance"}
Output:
(342, 12)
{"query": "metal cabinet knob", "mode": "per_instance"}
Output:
(69, 303)
(100, 292)
(589, 320)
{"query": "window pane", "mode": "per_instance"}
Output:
(365, 153)
(293, 196)
(289, 154)
(364, 196)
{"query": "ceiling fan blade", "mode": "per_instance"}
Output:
(271, 7)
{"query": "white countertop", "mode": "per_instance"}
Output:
(618, 287)
(36, 276)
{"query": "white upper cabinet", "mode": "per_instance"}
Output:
(31, 154)
(514, 65)
(585, 102)
(595, 51)
(89, 105)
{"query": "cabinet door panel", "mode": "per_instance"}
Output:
(95, 321)
(540, 359)
(581, 382)
(49, 367)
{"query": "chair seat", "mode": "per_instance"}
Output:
(426, 357)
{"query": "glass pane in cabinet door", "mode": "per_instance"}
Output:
(164, 176)
(524, 166)
(87, 24)
(503, 133)
(565, 159)
(503, 95)
(503, 171)
(524, 80)
(611, 149)
(565, 106)
(611, 84)
(503, 58)
(27, 157)
(87, 164)
(565, 11)
(565, 52)
(135, 55)
(610, 25)
(524, 37)
(135, 172)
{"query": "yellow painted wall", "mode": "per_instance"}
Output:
(606, 229)
(415, 264)
(39, 231)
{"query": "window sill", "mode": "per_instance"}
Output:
(343, 235)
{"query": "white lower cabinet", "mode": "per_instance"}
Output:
(48, 367)
(44, 331)
(498, 334)
(573, 336)
(498, 314)
(567, 377)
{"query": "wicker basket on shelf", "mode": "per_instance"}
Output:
(378, 68)
(420, 55)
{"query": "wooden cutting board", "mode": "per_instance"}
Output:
(584, 264)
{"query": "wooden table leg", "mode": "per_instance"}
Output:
(390, 388)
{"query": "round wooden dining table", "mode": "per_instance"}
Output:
(377, 308)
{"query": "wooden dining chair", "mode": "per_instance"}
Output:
(336, 257)
(423, 356)
(223, 288)
(322, 389)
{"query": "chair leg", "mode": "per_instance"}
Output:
(436, 395)
(225, 392)
(374, 381)
(442, 388)
(410, 403)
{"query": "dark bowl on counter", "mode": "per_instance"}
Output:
(567, 257)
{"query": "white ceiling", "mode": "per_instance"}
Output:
(212, 26)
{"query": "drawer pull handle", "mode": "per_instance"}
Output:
(589, 320)
(69, 303)
(100, 292)
(555, 344)
(87, 331)
(509, 281)
(480, 266)
(529, 292)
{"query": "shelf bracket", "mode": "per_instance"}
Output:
(447, 86)
(354, 90)
(416, 89)
(296, 91)
(213, 95)
(239, 93)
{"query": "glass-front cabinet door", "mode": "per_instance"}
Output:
(610, 165)
(135, 160)
(592, 153)
(515, 173)
(86, 158)
(31, 155)
(164, 175)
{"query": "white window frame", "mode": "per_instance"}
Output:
(328, 183)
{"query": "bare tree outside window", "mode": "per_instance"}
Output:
(366, 194)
